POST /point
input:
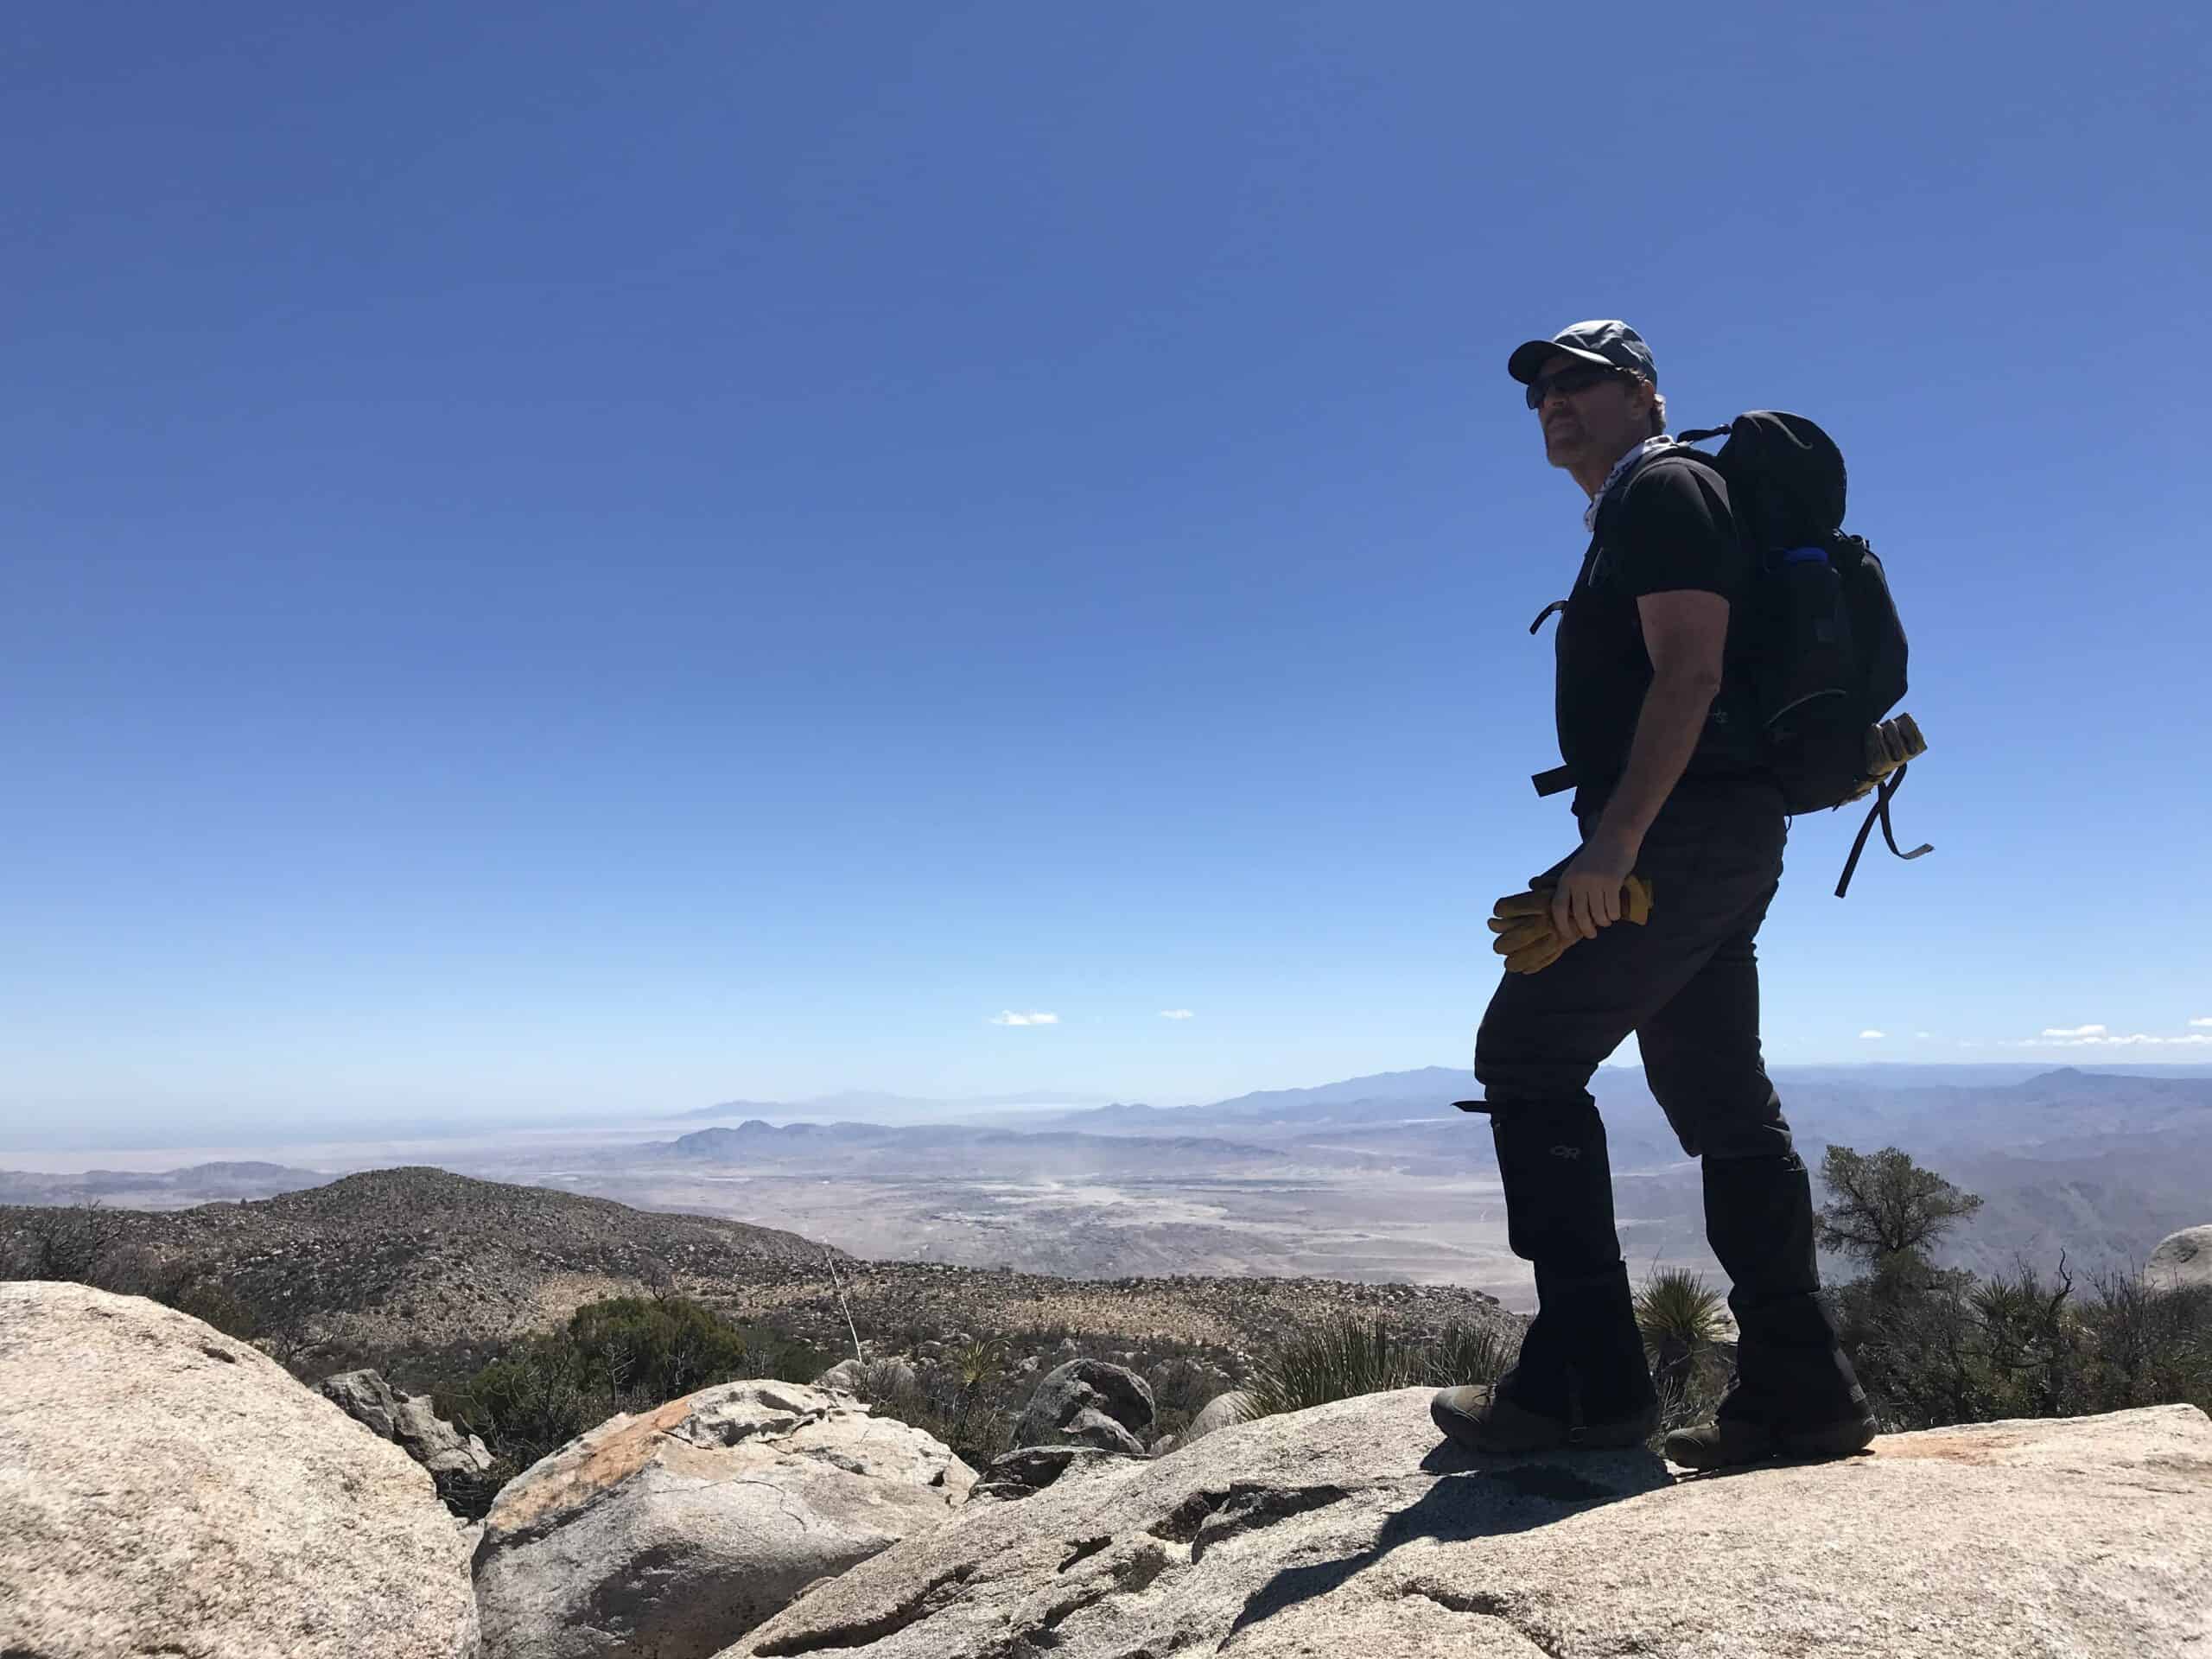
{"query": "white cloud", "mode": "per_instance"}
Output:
(1873, 1036)
(2074, 1030)
(1923, 1035)
(2202, 1024)
(1010, 1018)
(2101, 1038)
(1177, 1013)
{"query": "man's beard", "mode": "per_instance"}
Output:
(1565, 445)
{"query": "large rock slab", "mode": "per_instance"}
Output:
(669, 1535)
(1089, 1402)
(1349, 1530)
(2182, 1261)
(166, 1490)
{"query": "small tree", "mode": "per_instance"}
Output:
(1886, 1207)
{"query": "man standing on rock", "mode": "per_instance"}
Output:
(1681, 840)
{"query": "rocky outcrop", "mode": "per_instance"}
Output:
(1028, 1469)
(1350, 1529)
(871, 1379)
(2182, 1261)
(671, 1534)
(1088, 1402)
(458, 1464)
(1223, 1411)
(846, 1374)
(166, 1490)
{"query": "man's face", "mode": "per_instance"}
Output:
(1599, 421)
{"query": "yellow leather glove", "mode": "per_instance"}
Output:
(1526, 937)
(1889, 746)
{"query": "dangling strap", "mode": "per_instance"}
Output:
(1546, 613)
(1881, 809)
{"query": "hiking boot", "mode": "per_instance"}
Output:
(1486, 1418)
(1727, 1442)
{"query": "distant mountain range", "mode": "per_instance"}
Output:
(1376, 1097)
(168, 1189)
(859, 1102)
(1367, 1175)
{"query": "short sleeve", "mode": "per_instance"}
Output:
(1675, 531)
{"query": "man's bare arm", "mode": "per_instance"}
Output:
(1685, 634)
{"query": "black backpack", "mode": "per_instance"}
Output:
(1829, 652)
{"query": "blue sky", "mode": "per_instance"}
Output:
(603, 559)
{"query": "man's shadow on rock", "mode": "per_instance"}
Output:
(1475, 1496)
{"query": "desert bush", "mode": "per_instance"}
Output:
(1344, 1356)
(629, 1353)
(1937, 1345)
(78, 1241)
(2152, 1346)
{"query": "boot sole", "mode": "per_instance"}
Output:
(1797, 1445)
(1476, 1436)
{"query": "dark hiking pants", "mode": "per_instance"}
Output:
(1687, 984)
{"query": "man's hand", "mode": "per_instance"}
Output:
(1523, 922)
(1588, 897)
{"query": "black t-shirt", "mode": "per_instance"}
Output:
(1668, 528)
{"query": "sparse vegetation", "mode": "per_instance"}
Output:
(1344, 1357)
(629, 1353)
(78, 1241)
(1937, 1345)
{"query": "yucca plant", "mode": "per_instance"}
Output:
(1344, 1357)
(1468, 1353)
(976, 1362)
(1680, 1316)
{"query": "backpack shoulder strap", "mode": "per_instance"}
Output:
(1883, 795)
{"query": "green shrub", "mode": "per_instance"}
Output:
(1936, 1346)
(1344, 1356)
(630, 1353)
(667, 1347)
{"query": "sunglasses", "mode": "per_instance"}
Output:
(1569, 381)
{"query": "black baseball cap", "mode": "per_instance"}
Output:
(1608, 344)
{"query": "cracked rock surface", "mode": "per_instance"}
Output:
(165, 1489)
(673, 1533)
(1028, 1469)
(1351, 1531)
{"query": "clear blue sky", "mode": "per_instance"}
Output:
(608, 558)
